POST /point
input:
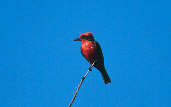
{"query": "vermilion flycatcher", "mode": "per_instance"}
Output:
(91, 50)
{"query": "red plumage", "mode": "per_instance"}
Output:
(91, 50)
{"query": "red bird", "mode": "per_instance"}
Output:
(91, 50)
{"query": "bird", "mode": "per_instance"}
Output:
(92, 52)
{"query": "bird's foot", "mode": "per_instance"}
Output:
(90, 68)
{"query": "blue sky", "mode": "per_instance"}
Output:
(41, 66)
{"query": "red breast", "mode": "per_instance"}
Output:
(88, 49)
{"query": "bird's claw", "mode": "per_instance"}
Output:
(90, 69)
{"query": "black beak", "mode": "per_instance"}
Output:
(78, 39)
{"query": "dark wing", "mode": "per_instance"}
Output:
(98, 55)
(99, 63)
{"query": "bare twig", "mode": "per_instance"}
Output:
(80, 84)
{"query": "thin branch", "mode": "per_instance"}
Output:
(80, 85)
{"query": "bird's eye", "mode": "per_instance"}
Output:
(83, 36)
(87, 37)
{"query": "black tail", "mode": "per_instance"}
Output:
(106, 77)
(104, 74)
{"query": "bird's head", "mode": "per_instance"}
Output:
(85, 36)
